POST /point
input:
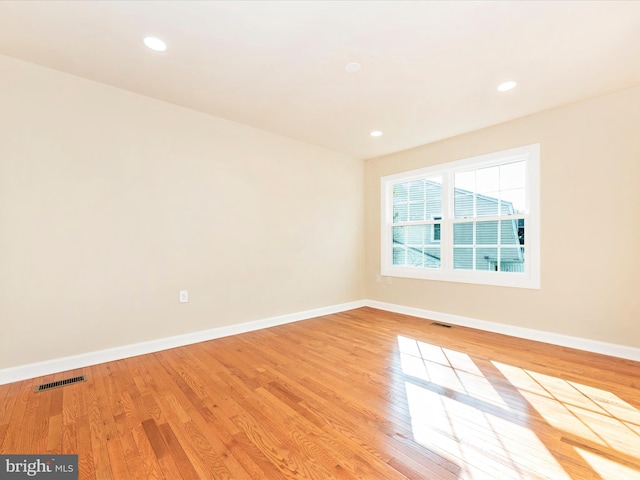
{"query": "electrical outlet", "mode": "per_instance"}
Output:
(184, 296)
(378, 278)
(388, 280)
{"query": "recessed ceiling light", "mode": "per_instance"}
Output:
(155, 44)
(376, 133)
(352, 67)
(503, 87)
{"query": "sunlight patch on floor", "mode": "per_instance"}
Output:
(610, 403)
(580, 411)
(606, 468)
(447, 369)
(487, 446)
(483, 413)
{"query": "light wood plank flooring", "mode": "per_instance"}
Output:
(363, 394)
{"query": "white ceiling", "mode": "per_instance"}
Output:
(429, 69)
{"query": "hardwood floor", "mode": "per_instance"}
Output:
(363, 394)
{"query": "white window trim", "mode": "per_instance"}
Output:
(530, 278)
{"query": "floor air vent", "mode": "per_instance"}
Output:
(60, 383)
(441, 325)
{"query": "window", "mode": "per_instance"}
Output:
(474, 220)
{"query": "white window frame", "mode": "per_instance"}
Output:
(530, 278)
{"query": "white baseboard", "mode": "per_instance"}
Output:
(32, 370)
(620, 351)
(24, 372)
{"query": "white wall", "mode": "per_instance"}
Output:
(111, 202)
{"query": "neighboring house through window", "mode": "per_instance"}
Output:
(435, 231)
(465, 221)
